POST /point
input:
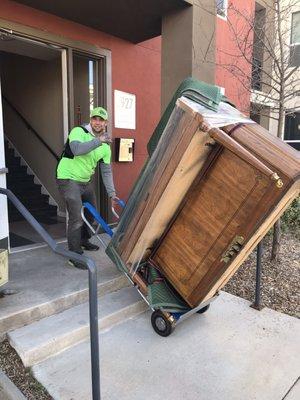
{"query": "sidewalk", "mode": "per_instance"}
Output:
(232, 352)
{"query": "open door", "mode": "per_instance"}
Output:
(89, 93)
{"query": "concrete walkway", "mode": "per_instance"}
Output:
(232, 352)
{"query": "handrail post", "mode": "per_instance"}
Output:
(257, 305)
(94, 334)
(93, 289)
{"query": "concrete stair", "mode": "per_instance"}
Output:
(23, 186)
(17, 317)
(49, 336)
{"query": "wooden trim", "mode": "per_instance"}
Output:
(221, 137)
(64, 64)
(70, 87)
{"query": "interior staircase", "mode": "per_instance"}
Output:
(27, 191)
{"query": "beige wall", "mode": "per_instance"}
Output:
(185, 38)
(35, 88)
(286, 19)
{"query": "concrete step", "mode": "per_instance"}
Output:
(45, 285)
(49, 336)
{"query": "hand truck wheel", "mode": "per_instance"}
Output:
(203, 310)
(162, 323)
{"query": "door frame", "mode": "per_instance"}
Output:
(67, 47)
(4, 228)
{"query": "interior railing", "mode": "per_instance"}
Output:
(29, 127)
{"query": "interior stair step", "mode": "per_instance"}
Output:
(27, 191)
(16, 169)
(49, 336)
(38, 212)
(33, 202)
(22, 179)
(21, 187)
(13, 161)
(18, 173)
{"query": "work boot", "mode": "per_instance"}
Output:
(87, 245)
(78, 264)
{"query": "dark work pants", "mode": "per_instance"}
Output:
(75, 193)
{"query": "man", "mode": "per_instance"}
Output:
(85, 147)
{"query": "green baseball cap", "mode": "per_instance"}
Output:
(99, 112)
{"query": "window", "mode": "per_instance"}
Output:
(292, 130)
(295, 40)
(295, 34)
(221, 6)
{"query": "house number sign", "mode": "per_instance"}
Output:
(125, 110)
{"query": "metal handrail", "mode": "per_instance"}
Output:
(29, 127)
(93, 297)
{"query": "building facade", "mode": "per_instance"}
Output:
(59, 59)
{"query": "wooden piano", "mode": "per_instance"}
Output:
(204, 201)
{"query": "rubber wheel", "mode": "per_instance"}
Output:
(204, 309)
(161, 323)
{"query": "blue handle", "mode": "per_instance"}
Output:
(121, 203)
(98, 218)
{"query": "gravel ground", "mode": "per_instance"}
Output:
(280, 291)
(12, 366)
(280, 281)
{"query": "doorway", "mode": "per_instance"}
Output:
(46, 90)
(32, 105)
(88, 94)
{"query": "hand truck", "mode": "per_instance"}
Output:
(163, 320)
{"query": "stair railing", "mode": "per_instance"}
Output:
(93, 296)
(29, 127)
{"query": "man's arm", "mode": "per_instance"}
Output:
(79, 148)
(107, 178)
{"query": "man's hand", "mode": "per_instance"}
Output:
(105, 138)
(114, 201)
